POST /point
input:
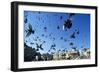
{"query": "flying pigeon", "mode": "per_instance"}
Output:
(53, 46)
(74, 48)
(67, 24)
(78, 32)
(39, 12)
(61, 38)
(30, 30)
(71, 14)
(45, 29)
(31, 43)
(73, 35)
(42, 34)
(58, 27)
(25, 21)
(53, 39)
(39, 46)
(65, 40)
(61, 17)
(71, 43)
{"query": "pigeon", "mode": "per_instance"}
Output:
(48, 50)
(65, 40)
(58, 27)
(71, 43)
(73, 35)
(78, 32)
(52, 46)
(63, 50)
(44, 41)
(61, 17)
(50, 34)
(25, 44)
(40, 40)
(53, 39)
(30, 31)
(67, 24)
(31, 43)
(39, 46)
(71, 14)
(42, 35)
(39, 12)
(37, 49)
(74, 48)
(81, 46)
(37, 37)
(25, 21)
(45, 29)
(61, 38)
(26, 41)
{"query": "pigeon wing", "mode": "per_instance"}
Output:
(30, 27)
(28, 34)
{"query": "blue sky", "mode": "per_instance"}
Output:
(50, 20)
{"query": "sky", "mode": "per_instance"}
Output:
(50, 21)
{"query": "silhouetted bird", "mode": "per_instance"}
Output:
(73, 35)
(61, 38)
(25, 21)
(71, 43)
(78, 32)
(31, 43)
(67, 24)
(71, 14)
(30, 31)
(25, 44)
(48, 50)
(40, 40)
(44, 41)
(45, 29)
(42, 34)
(53, 39)
(26, 41)
(58, 27)
(74, 48)
(39, 46)
(63, 50)
(50, 34)
(39, 12)
(75, 30)
(37, 37)
(61, 17)
(65, 40)
(53, 46)
(37, 49)
(81, 46)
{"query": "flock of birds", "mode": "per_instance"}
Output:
(66, 26)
